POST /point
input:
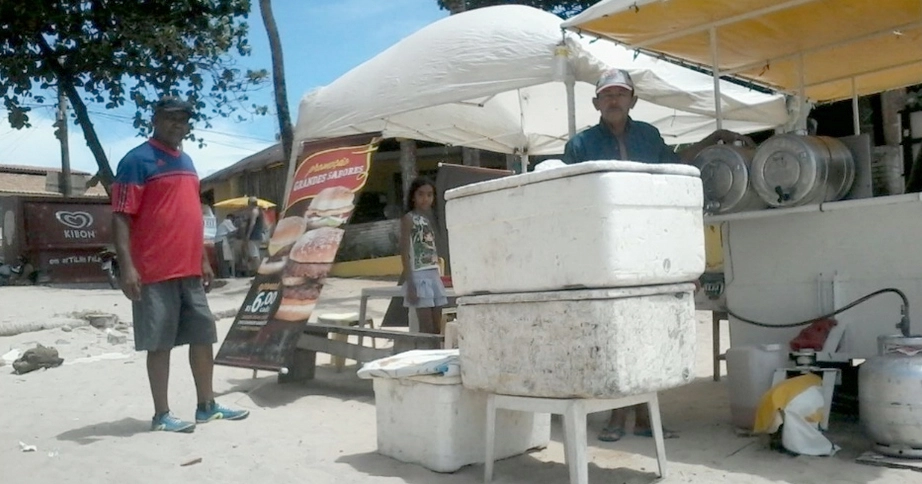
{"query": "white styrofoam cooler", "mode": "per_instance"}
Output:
(589, 225)
(437, 423)
(601, 343)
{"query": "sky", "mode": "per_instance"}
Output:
(321, 40)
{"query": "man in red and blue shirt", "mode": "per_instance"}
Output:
(159, 237)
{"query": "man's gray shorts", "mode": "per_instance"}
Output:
(173, 313)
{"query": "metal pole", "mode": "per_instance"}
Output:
(523, 158)
(570, 84)
(801, 94)
(715, 64)
(563, 72)
(62, 137)
(856, 118)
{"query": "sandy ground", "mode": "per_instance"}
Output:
(89, 419)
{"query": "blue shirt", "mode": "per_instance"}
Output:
(642, 140)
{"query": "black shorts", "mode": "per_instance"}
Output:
(173, 313)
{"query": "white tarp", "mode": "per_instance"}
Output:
(489, 79)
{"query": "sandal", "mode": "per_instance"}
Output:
(667, 434)
(611, 434)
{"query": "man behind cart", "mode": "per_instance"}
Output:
(618, 137)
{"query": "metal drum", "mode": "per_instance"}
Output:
(725, 177)
(790, 170)
(841, 174)
(890, 396)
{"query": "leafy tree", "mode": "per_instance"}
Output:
(563, 8)
(124, 52)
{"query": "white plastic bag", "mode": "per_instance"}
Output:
(800, 435)
(797, 404)
(413, 363)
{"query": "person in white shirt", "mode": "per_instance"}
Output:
(223, 236)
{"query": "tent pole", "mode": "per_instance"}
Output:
(564, 72)
(523, 159)
(801, 94)
(855, 115)
(570, 84)
(715, 69)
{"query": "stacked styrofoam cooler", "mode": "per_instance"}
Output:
(435, 422)
(574, 281)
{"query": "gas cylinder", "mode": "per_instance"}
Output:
(890, 396)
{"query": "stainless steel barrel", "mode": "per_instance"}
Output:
(789, 170)
(725, 178)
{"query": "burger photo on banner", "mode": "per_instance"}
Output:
(301, 252)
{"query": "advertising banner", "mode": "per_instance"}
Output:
(323, 191)
(57, 225)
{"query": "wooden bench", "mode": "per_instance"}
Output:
(315, 339)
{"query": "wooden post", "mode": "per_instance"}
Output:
(891, 103)
(65, 182)
(407, 164)
(301, 367)
(470, 156)
(511, 161)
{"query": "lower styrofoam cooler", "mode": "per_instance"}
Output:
(602, 343)
(437, 423)
(590, 225)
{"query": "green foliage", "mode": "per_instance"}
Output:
(563, 8)
(125, 53)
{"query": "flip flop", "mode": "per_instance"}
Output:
(667, 434)
(611, 434)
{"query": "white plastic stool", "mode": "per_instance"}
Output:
(830, 377)
(574, 413)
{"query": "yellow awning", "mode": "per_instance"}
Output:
(875, 44)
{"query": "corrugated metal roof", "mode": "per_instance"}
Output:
(35, 170)
(4, 192)
(27, 180)
(274, 154)
(256, 161)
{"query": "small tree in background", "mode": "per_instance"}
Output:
(124, 52)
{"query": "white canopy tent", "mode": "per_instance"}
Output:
(493, 78)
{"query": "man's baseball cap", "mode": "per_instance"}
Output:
(173, 104)
(614, 77)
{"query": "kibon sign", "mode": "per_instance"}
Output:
(55, 225)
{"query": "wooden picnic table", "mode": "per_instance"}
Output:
(315, 339)
(390, 292)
